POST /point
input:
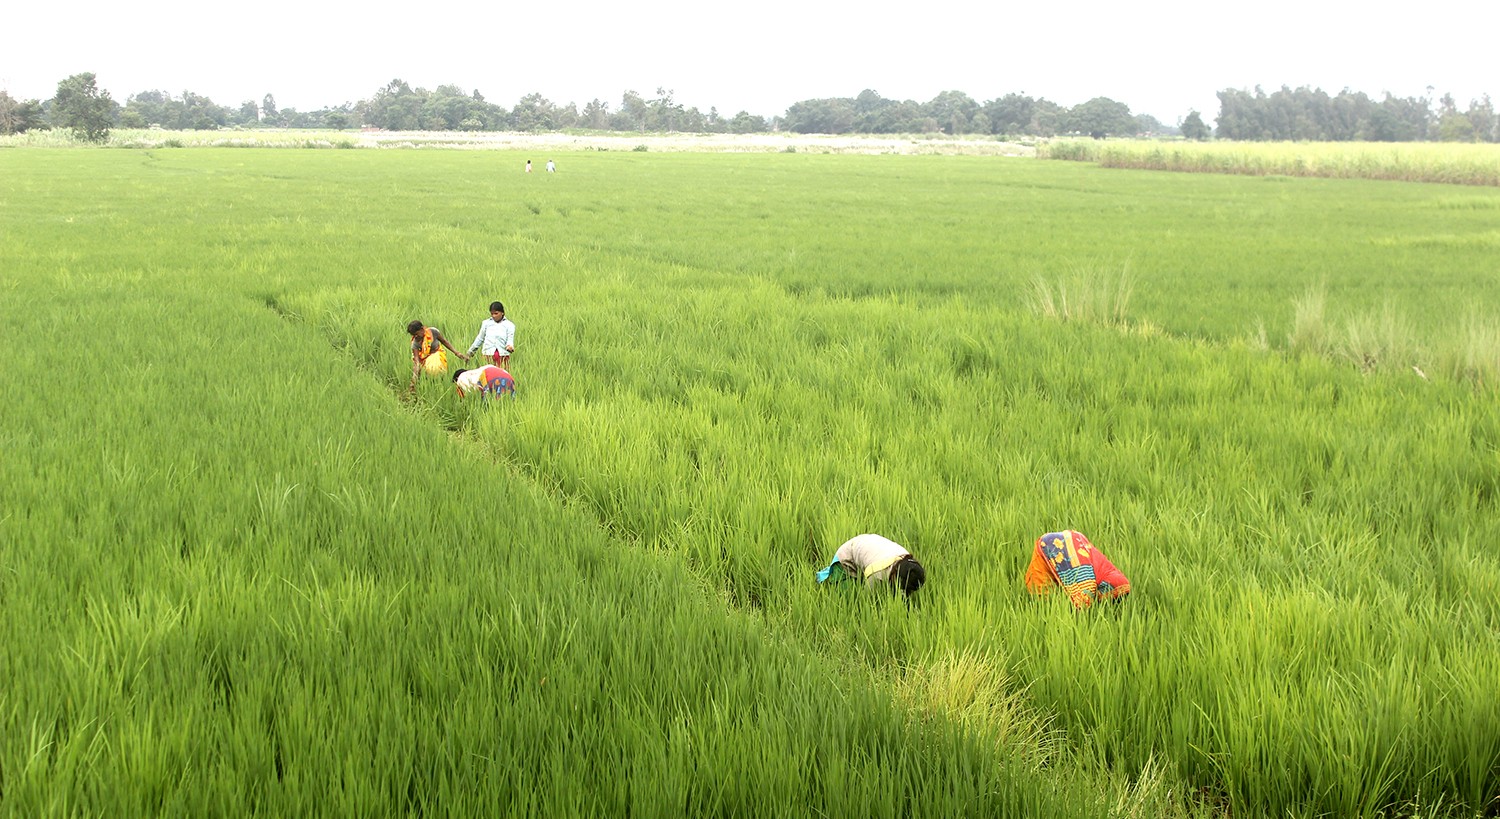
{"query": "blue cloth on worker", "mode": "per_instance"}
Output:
(825, 573)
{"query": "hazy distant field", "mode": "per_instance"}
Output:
(240, 572)
(779, 142)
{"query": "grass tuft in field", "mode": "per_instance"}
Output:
(1095, 295)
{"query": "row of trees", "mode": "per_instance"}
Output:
(954, 112)
(91, 112)
(1310, 114)
(1301, 114)
(399, 107)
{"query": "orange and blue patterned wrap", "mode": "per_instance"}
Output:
(495, 380)
(1069, 560)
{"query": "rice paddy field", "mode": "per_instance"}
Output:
(241, 574)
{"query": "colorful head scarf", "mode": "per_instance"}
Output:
(1068, 559)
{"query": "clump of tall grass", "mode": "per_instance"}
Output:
(1383, 340)
(1310, 331)
(1091, 295)
(1259, 340)
(971, 690)
(1476, 355)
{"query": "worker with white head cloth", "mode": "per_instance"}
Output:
(876, 561)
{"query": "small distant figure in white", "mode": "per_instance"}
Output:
(551, 166)
(528, 166)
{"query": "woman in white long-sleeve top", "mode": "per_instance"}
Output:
(497, 337)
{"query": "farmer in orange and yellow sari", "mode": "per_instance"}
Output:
(427, 354)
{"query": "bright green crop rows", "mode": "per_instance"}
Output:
(236, 571)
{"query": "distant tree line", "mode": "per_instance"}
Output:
(1301, 114)
(399, 107)
(91, 112)
(1311, 114)
(955, 113)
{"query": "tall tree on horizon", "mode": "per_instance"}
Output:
(80, 105)
(1193, 127)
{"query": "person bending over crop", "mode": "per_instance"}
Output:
(877, 561)
(427, 345)
(1069, 560)
(487, 380)
(497, 336)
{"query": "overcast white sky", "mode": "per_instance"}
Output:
(1160, 59)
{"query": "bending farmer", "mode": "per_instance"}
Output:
(487, 380)
(1068, 559)
(427, 345)
(876, 561)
